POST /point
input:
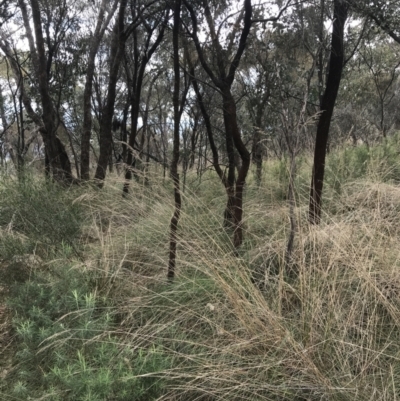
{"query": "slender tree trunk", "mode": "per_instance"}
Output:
(117, 51)
(321, 51)
(87, 94)
(292, 217)
(230, 178)
(193, 141)
(233, 132)
(130, 161)
(137, 83)
(227, 180)
(257, 154)
(327, 105)
(175, 153)
(224, 81)
(257, 149)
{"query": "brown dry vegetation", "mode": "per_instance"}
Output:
(247, 328)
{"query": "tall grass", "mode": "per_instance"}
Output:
(96, 318)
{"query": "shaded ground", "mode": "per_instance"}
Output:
(6, 339)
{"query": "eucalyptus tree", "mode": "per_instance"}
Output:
(190, 137)
(11, 113)
(221, 64)
(175, 152)
(146, 38)
(384, 13)
(335, 70)
(204, 101)
(117, 49)
(106, 11)
(257, 81)
(382, 63)
(52, 58)
(149, 16)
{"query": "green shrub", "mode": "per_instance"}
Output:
(67, 349)
(345, 165)
(41, 211)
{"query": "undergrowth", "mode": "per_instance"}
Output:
(94, 317)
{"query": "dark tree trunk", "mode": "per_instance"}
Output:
(233, 135)
(227, 180)
(175, 152)
(257, 149)
(137, 83)
(117, 52)
(257, 155)
(87, 95)
(223, 81)
(58, 157)
(124, 133)
(193, 140)
(336, 62)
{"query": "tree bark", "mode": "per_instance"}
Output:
(137, 83)
(57, 155)
(175, 152)
(336, 63)
(257, 149)
(233, 135)
(98, 34)
(116, 54)
(223, 80)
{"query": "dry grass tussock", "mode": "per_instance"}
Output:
(244, 328)
(327, 327)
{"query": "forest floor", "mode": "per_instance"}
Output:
(94, 317)
(7, 348)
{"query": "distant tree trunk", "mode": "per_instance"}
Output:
(124, 133)
(257, 156)
(193, 140)
(175, 152)
(141, 59)
(227, 181)
(98, 34)
(257, 149)
(116, 54)
(336, 62)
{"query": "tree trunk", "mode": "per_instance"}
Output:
(257, 154)
(227, 181)
(232, 133)
(193, 139)
(137, 83)
(223, 81)
(257, 149)
(175, 153)
(87, 94)
(58, 157)
(117, 51)
(327, 105)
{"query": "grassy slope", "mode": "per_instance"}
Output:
(95, 319)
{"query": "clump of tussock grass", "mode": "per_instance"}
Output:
(328, 332)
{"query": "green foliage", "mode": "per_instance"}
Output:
(277, 175)
(380, 161)
(41, 211)
(108, 326)
(345, 165)
(386, 159)
(66, 346)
